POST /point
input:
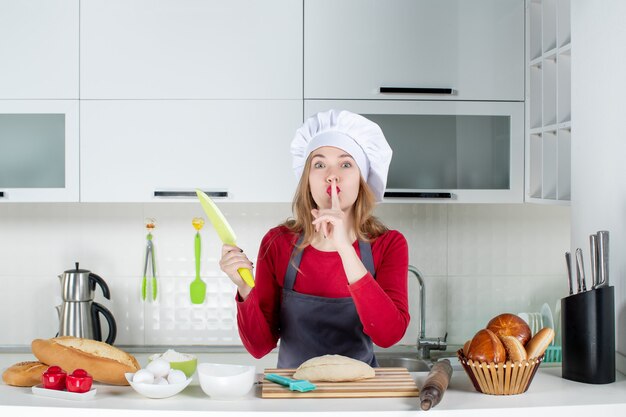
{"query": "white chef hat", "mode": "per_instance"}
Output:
(358, 136)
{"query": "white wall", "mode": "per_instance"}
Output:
(598, 139)
(478, 261)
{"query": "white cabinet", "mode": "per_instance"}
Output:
(39, 49)
(548, 103)
(191, 49)
(447, 151)
(131, 149)
(353, 48)
(39, 151)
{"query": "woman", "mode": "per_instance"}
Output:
(332, 280)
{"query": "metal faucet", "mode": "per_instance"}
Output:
(424, 344)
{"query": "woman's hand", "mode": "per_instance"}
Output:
(233, 258)
(332, 222)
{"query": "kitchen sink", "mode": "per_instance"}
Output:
(412, 364)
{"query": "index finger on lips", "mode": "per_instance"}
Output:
(334, 196)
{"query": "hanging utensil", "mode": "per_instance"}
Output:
(197, 289)
(224, 231)
(150, 225)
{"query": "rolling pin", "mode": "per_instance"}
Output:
(436, 384)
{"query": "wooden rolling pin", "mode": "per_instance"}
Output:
(436, 384)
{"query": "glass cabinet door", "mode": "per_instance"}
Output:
(39, 150)
(448, 151)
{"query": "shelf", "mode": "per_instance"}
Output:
(564, 164)
(563, 18)
(548, 159)
(564, 91)
(548, 25)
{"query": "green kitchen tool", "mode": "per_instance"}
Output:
(150, 225)
(197, 288)
(300, 385)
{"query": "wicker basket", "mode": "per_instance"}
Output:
(506, 378)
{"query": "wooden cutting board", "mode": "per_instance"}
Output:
(388, 382)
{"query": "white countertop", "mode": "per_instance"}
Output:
(548, 394)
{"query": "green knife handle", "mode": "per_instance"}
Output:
(197, 247)
(247, 277)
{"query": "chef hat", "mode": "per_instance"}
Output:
(358, 136)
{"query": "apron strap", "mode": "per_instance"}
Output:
(294, 263)
(290, 276)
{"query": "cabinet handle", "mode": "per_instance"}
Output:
(407, 90)
(212, 194)
(416, 194)
(1, 194)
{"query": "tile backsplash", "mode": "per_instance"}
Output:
(477, 261)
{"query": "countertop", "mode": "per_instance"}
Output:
(548, 394)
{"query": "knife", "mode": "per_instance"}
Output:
(224, 231)
(580, 270)
(603, 259)
(593, 246)
(568, 262)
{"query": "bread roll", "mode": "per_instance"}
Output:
(104, 362)
(466, 347)
(486, 347)
(24, 374)
(539, 343)
(515, 352)
(334, 368)
(510, 325)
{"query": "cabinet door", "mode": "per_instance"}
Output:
(131, 149)
(212, 49)
(354, 47)
(39, 49)
(39, 150)
(447, 151)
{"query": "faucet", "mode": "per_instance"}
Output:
(425, 344)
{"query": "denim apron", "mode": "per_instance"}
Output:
(313, 326)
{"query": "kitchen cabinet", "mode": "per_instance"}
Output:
(447, 151)
(548, 103)
(39, 151)
(39, 49)
(191, 49)
(133, 149)
(353, 48)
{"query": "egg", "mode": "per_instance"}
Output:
(176, 377)
(161, 381)
(143, 376)
(159, 368)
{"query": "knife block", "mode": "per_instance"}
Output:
(588, 336)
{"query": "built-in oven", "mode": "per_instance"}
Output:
(447, 151)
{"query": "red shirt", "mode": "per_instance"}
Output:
(381, 303)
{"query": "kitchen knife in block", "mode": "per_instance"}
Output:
(224, 231)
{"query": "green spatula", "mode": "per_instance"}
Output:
(197, 289)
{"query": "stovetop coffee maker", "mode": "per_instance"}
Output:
(79, 315)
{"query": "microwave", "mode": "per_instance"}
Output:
(447, 151)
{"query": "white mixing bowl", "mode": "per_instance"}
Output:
(224, 382)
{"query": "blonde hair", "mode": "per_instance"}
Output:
(366, 226)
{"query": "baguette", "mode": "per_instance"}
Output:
(539, 343)
(105, 363)
(24, 374)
